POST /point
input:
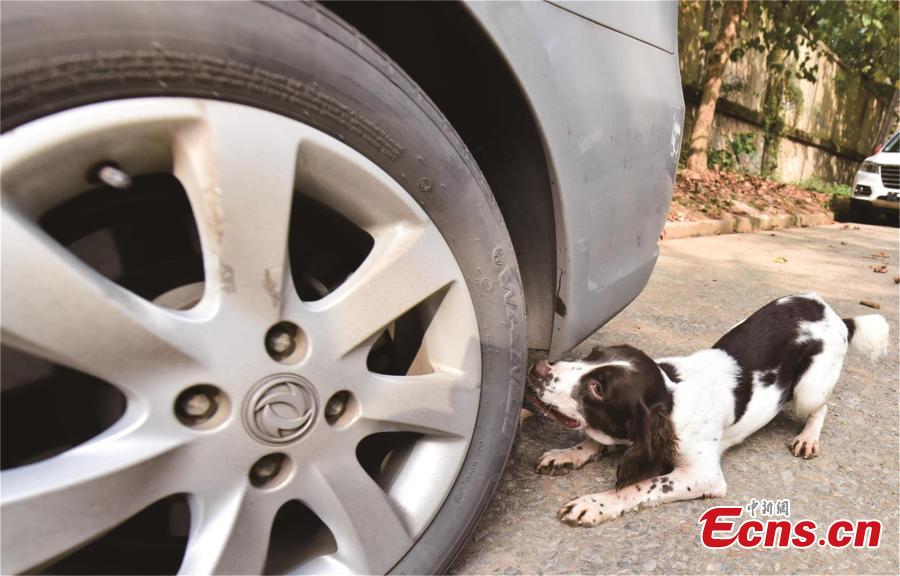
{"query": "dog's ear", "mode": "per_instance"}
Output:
(653, 448)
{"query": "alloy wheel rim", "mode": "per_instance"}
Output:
(240, 167)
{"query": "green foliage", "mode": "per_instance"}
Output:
(864, 37)
(721, 158)
(742, 144)
(732, 85)
(820, 185)
(786, 29)
(777, 87)
(861, 34)
(792, 98)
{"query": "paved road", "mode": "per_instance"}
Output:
(700, 288)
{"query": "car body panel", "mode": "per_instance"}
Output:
(610, 111)
(650, 21)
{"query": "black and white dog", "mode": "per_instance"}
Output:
(676, 416)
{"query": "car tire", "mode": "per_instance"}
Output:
(302, 62)
(860, 211)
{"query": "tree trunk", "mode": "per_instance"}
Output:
(889, 120)
(712, 84)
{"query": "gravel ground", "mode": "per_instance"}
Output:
(701, 287)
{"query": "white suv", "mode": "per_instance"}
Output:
(877, 183)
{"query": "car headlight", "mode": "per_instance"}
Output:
(870, 167)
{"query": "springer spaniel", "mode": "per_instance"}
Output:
(676, 416)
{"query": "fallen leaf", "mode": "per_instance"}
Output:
(880, 269)
(780, 260)
(870, 304)
(896, 279)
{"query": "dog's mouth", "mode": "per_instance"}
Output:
(547, 410)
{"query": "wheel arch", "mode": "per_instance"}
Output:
(444, 50)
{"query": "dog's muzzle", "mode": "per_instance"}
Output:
(538, 377)
(541, 369)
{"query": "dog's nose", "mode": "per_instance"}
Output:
(541, 369)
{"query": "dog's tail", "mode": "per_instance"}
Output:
(868, 335)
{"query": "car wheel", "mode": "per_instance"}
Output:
(260, 310)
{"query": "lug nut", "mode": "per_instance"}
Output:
(336, 407)
(279, 342)
(267, 470)
(201, 406)
(285, 343)
(340, 408)
(197, 405)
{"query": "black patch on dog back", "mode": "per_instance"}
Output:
(767, 341)
(670, 371)
(666, 488)
(808, 351)
(851, 328)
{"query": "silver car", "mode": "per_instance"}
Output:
(270, 271)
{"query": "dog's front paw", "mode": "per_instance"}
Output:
(559, 462)
(805, 446)
(549, 465)
(562, 461)
(590, 510)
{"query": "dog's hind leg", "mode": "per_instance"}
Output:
(564, 460)
(811, 394)
(806, 444)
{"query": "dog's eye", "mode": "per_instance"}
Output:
(595, 388)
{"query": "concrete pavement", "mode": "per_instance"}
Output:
(702, 287)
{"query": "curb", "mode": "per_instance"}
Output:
(739, 224)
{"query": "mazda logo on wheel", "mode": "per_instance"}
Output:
(280, 409)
